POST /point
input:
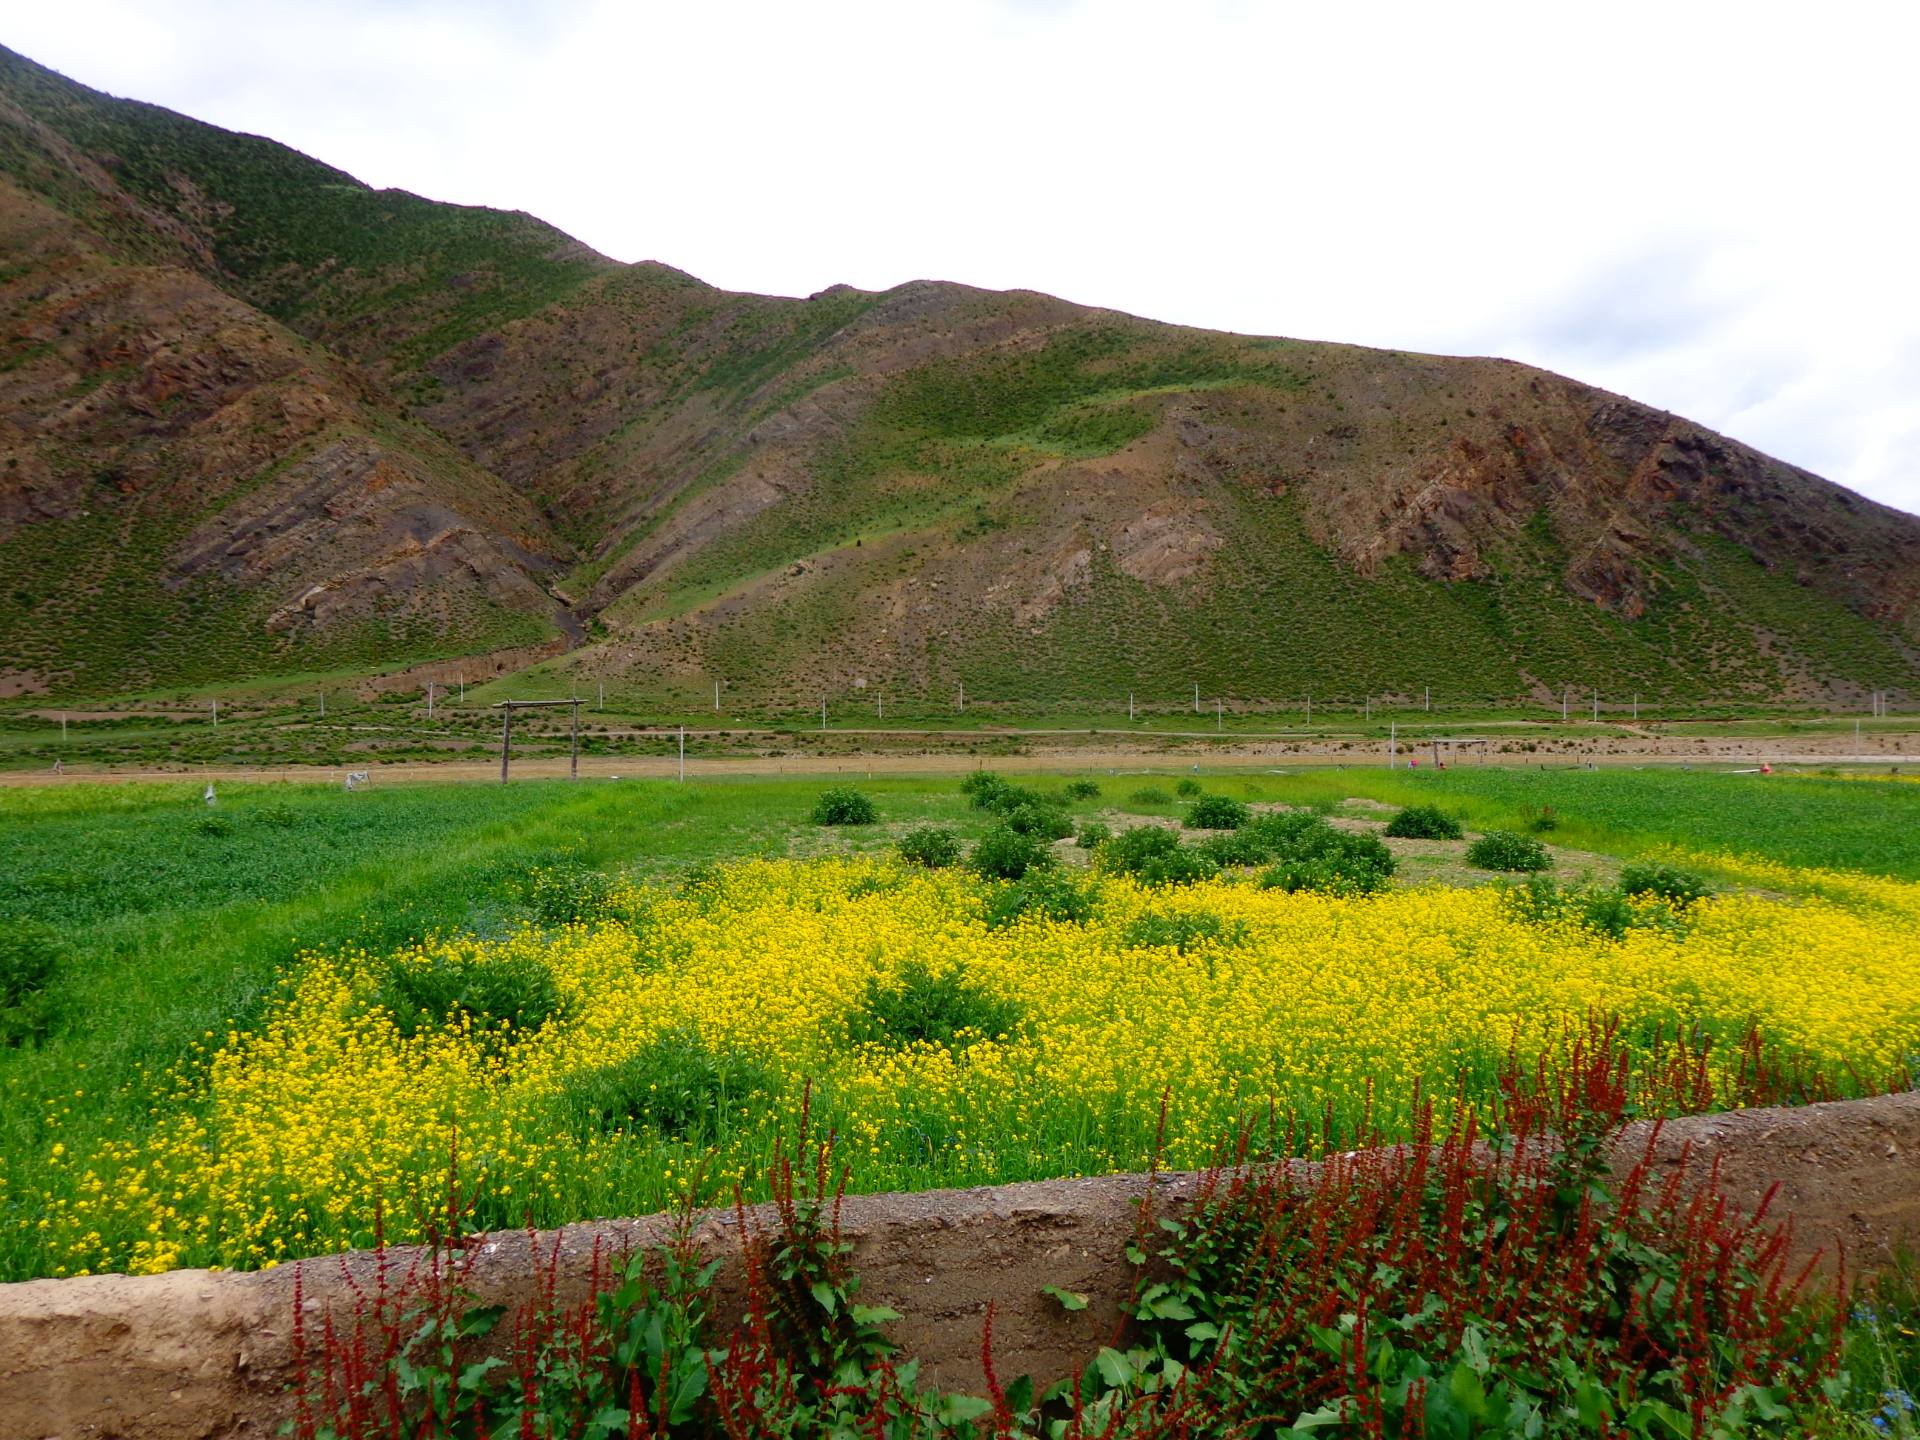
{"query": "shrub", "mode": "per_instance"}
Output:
(1344, 865)
(1126, 852)
(1424, 822)
(982, 788)
(1093, 835)
(215, 825)
(1187, 788)
(1183, 865)
(1236, 848)
(1664, 882)
(1543, 821)
(569, 892)
(674, 1083)
(933, 846)
(1047, 894)
(31, 954)
(1043, 822)
(1507, 850)
(843, 805)
(1182, 932)
(1217, 812)
(1287, 831)
(920, 1006)
(1083, 790)
(1005, 854)
(493, 994)
(1150, 795)
(281, 817)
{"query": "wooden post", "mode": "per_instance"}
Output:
(823, 712)
(323, 704)
(506, 738)
(1196, 697)
(216, 712)
(1393, 741)
(1216, 714)
(1129, 707)
(683, 754)
(1309, 709)
(1429, 699)
(716, 697)
(429, 699)
(573, 742)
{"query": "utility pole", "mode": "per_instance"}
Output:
(1196, 697)
(683, 754)
(716, 697)
(463, 687)
(506, 739)
(1596, 707)
(880, 705)
(323, 704)
(823, 712)
(63, 727)
(1129, 707)
(573, 740)
(1309, 709)
(1636, 707)
(1217, 721)
(1565, 691)
(963, 695)
(216, 712)
(1393, 742)
(429, 699)
(1429, 699)
(603, 696)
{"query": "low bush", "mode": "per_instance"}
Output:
(1188, 788)
(1043, 822)
(982, 788)
(920, 1005)
(1126, 852)
(674, 1084)
(216, 825)
(933, 846)
(1045, 894)
(1182, 932)
(501, 995)
(1150, 795)
(1236, 849)
(843, 805)
(1093, 834)
(1287, 832)
(1508, 850)
(1006, 854)
(1424, 822)
(31, 955)
(1083, 790)
(1543, 820)
(1349, 865)
(569, 892)
(1217, 812)
(1677, 887)
(1183, 865)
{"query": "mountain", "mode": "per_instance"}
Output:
(257, 418)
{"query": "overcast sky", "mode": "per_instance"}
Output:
(1709, 207)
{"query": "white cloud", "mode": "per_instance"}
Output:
(1706, 206)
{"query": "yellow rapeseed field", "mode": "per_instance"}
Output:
(745, 987)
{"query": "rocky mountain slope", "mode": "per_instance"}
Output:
(258, 418)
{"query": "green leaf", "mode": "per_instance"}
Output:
(1202, 1330)
(958, 1409)
(1069, 1299)
(1331, 1413)
(480, 1321)
(1114, 1367)
(872, 1314)
(475, 1375)
(1466, 1388)
(827, 1296)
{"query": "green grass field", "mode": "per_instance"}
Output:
(178, 920)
